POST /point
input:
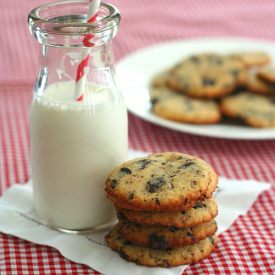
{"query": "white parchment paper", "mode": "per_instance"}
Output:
(17, 217)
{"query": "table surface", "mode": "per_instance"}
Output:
(248, 246)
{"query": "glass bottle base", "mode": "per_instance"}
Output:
(83, 231)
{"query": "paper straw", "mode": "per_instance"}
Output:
(86, 56)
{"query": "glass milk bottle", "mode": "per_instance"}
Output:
(76, 139)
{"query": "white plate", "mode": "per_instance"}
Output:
(135, 71)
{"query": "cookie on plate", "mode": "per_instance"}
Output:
(256, 85)
(163, 238)
(201, 212)
(161, 182)
(267, 74)
(178, 107)
(163, 258)
(202, 81)
(223, 62)
(255, 110)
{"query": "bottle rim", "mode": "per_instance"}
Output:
(44, 21)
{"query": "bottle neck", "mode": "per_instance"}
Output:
(60, 64)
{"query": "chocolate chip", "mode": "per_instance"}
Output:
(216, 60)
(144, 163)
(121, 216)
(173, 228)
(199, 205)
(193, 183)
(235, 73)
(198, 172)
(185, 201)
(187, 164)
(114, 183)
(157, 201)
(127, 242)
(206, 81)
(155, 184)
(130, 195)
(126, 170)
(183, 212)
(157, 242)
(123, 255)
(137, 224)
(190, 235)
(212, 240)
(194, 59)
(154, 101)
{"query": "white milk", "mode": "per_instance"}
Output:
(74, 147)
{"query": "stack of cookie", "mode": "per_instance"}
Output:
(203, 88)
(165, 209)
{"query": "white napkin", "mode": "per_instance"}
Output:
(17, 217)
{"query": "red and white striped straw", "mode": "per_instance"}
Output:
(86, 56)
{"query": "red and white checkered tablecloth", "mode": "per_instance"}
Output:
(248, 246)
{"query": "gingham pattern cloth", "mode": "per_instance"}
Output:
(248, 246)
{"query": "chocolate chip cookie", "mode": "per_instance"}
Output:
(163, 238)
(201, 212)
(224, 63)
(178, 107)
(164, 258)
(202, 81)
(161, 182)
(255, 110)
